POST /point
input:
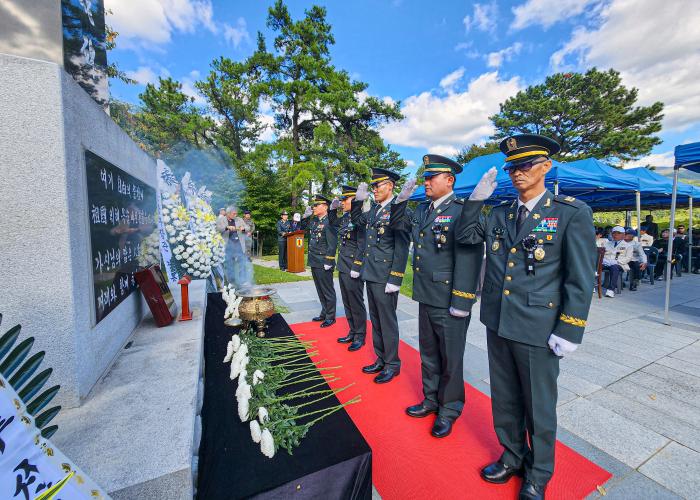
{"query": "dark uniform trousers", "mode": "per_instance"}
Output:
(323, 243)
(445, 274)
(386, 253)
(350, 257)
(522, 306)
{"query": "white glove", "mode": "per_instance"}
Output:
(335, 204)
(458, 313)
(561, 346)
(389, 288)
(362, 193)
(307, 213)
(486, 186)
(327, 267)
(406, 190)
(354, 275)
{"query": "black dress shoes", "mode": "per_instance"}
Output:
(499, 473)
(531, 491)
(356, 345)
(328, 323)
(345, 340)
(386, 376)
(318, 318)
(420, 411)
(442, 427)
(375, 367)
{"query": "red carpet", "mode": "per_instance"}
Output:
(407, 461)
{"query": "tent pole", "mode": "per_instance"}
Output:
(690, 233)
(556, 188)
(639, 213)
(669, 250)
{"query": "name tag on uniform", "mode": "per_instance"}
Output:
(547, 225)
(443, 219)
(385, 216)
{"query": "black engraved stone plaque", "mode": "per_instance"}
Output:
(123, 231)
(84, 46)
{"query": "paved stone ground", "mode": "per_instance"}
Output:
(629, 397)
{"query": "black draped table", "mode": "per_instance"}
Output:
(332, 461)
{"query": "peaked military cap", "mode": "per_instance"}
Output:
(523, 148)
(347, 191)
(382, 174)
(436, 164)
(284, 212)
(319, 199)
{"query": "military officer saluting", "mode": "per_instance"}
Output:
(323, 242)
(350, 256)
(445, 276)
(283, 227)
(386, 253)
(540, 263)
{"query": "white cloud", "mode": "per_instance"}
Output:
(655, 160)
(236, 34)
(151, 23)
(483, 18)
(548, 12)
(446, 122)
(495, 59)
(190, 90)
(449, 81)
(410, 163)
(655, 44)
(143, 75)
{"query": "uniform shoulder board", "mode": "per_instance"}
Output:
(459, 201)
(569, 200)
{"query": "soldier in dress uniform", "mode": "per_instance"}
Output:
(386, 253)
(283, 227)
(540, 263)
(323, 243)
(445, 276)
(350, 257)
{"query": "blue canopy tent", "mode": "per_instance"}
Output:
(687, 156)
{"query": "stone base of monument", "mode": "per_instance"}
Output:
(138, 431)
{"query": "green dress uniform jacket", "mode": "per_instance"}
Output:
(445, 274)
(323, 241)
(556, 298)
(283, 227)
(386, 251)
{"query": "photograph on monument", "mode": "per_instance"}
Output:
(123, 236)
(84, 46)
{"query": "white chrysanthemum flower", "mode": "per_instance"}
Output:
(169, 228)
(229, 351)
(172, 240)
(257, 377)
(190, 261)
(235, 368)
(267, 443)
(255, 431)
(166, 219)
(243, 408)
(178, 257)
(242, 379)
(263, 416)
(236, 342)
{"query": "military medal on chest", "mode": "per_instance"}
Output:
(498, 233)
(539, 253)
(530, 246)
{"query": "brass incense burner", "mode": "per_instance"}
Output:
(256, 306)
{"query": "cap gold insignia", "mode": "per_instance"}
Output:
(569, 198)
(510, 216)
(426, 160)
(536, 216)
(511, 144)
(548, 203)
(539, 253)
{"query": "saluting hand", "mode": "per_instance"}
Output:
(406, 191)
(335, 204)
(362, 193)
(307, 213)
(486, 186)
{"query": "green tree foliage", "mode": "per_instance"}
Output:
(590, 114)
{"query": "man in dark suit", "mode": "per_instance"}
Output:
(386, 254)
(652, 227)
(283, 227)
(350, 257)
(540, 263)
(445, 276)
(323, 243)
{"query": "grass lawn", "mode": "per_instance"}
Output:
(407, 283)
(266, 275)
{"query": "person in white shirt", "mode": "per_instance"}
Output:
(645, 238)
(618, 254)
(600, 240)
(638, 263)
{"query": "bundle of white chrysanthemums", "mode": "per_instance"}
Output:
(191, 252)
(203, 223)
(228, 293)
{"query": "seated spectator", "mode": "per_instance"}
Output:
(600, 240)
(645, 238)
(618, 254)
(638, 262)
(679, 250)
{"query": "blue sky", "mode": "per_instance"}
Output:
(450, 63)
